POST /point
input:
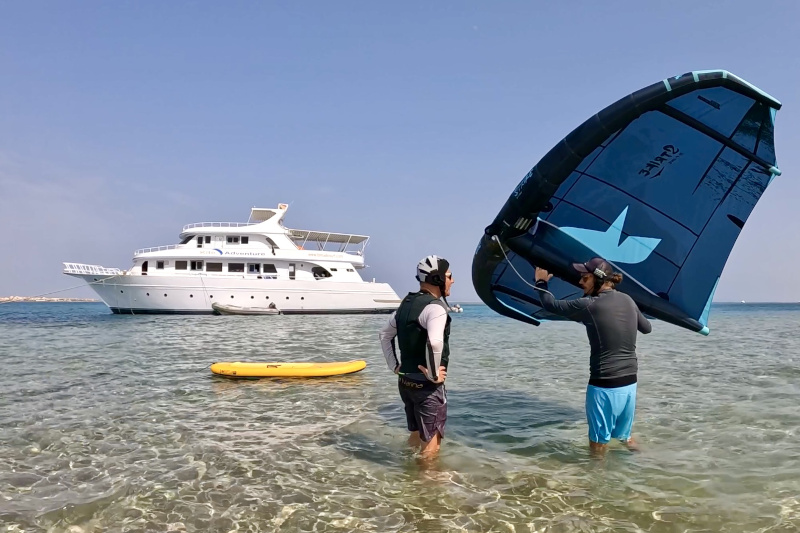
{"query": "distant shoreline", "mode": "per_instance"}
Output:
(31, 299)
(41, 299)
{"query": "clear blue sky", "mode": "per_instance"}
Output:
(411, 122)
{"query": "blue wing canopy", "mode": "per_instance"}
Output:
(659, 184)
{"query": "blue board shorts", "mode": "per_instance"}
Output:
(610, 412)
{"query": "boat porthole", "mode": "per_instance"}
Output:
(287, 297)
(302, 297)
(148, 294)
(121, 292)
(165, 295)
(252, 297)
(231, 295)
(191, 296)
(267, 297)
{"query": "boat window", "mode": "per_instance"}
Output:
(291, 270)
(180, 265)
(334, 270)
(350, 270)
(213, 267)
(272, 243)
(208, 239)
(253, 268)
(199, 241)
(160, 265)
(233, 239)
(144, 267)
(245, 240)
(187, 239)
(320, 272)
(235, 267)
(270, 269)
(197, 265)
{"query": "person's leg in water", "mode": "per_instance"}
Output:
(409, 406)
(427, 460)
(610, 413)
(431, 410)
(426, 414)
(414, 441)
(598, 413)
(597, 449)
(625, 409)
(430, 448)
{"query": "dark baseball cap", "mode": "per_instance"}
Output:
(593, 266)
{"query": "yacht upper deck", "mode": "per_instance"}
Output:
(187, 227)
(267, 224)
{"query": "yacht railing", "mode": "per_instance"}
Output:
(156, 249)
(78, 268)
(322, 246)
(218, 225)
(326, 241)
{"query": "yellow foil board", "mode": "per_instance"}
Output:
(286, 370)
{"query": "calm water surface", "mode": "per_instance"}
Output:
(115, 423)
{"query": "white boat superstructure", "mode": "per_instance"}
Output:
(252, 264)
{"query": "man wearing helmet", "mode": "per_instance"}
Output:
(612, 320)
(421, 325)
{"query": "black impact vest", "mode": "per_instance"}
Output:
(413, 338)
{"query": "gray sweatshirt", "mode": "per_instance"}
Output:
(612, 320)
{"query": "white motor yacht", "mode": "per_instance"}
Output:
(250, 264)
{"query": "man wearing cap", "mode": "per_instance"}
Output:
(612, 320)
(422, 327)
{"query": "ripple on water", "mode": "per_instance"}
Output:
(123, 428)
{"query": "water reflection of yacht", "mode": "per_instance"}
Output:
(252, 264)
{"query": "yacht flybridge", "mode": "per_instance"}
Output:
(253, 264)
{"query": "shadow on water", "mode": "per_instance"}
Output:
(506, 421)
(364, 448)
(224, 384)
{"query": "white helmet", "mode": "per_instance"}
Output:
(432, 270)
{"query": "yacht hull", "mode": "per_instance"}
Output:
(138, 294)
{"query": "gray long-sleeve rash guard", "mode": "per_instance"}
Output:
(612, 320)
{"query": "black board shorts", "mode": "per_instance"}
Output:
(425, 406)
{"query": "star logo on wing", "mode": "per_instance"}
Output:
(607, 243)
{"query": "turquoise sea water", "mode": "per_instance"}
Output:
(115, 423)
